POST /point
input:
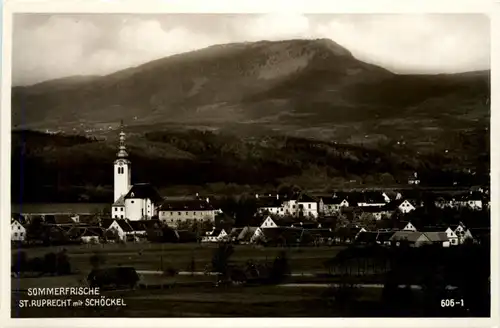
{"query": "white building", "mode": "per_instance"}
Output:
(173, 212)
(268, 223)
(304, 204)
(406, 207)
(270, 204)
(133, 202)
(214, 236)
(17, 231)
(308, 206)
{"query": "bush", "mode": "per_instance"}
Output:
(19, 262)
(221, 257)
(97, 260)
(280, 269)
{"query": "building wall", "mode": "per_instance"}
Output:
(119, 230)
(272, 210)
(121, 180)
(18, 232)
(90, 239)
(118, 212)
(406, 207)
(291, 207)
(268, 223)
(173, 217)
(309, 209)
(137, 209)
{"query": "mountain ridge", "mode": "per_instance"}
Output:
(283, 85)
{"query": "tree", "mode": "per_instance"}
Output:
(19, 262)
(280, 268)
(97, 260)
(221, 257)
(112, 235)
(50, 263)
(63, 263)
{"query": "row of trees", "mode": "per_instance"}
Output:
(432, 268)
(201, 158)
(268, 272)
(50, 263)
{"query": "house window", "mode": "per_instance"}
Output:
(132, 201)
(121, 216)
(194, 213)
(178, 213)
(15, 234)
(121, 209)
(116, 216)
(187, 213)
(21, 234)
(309, 205)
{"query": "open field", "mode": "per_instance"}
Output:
(178, 256)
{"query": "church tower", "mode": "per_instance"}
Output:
(122, 168)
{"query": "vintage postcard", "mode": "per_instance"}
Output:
(315, 164)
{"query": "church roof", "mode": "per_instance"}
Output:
(120, 201)
(186, 205)
(143, 191)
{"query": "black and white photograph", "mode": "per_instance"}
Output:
(250, 165)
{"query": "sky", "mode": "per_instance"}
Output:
(54, 46)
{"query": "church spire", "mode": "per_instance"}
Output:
(122, 150)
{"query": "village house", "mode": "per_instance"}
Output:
(375, 238)
(438, 237)
(307, 206)
(413, 179)
(280, 236)
(378, 213)
(401, 205)
(418, 239)
(347, 235)
(451, 236)
(371, 198)
(300, 205)
(173, 212)
(268, 223)
(214, 236)
(17, 231)
(461, 232)
(234, 233)
(269, 204)
(406, 226)
(331, 205)
(321, 236)
(128, 230)
(91, 235)
(246, 235)
(473, 201)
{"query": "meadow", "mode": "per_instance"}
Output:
(161, 257)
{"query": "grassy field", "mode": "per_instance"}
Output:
(178, 256)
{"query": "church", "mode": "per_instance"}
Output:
(134, 202)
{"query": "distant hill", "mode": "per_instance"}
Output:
(281, 85)
(245, 116)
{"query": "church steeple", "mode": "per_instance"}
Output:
(122, 168)
(122, 150)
